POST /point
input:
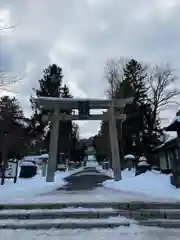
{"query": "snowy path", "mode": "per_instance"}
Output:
(39, 191)
(95, 195)
(98, 194)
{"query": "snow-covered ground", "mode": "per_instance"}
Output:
(26, 189)
(43, 192)
(123, 233)
(153, 185)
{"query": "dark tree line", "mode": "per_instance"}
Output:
(152, 89)
(21, 136)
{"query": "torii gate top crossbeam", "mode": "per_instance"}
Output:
(66, 103)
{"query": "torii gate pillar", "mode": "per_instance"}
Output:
(53, 147)
(116, 163)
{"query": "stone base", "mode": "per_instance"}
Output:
(86, 178)
(85, 181)
(166, 171)
(175, 181)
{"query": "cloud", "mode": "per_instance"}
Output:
(81, 35)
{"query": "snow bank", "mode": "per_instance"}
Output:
(26, 189)
(153, 184)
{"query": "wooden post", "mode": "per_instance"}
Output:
(2, 174)
(53, 147)
(15, 179)
(116, 164)
(44, 169)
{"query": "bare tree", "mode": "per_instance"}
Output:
(163, 89)
(113, 74)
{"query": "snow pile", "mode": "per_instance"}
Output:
(44, 156)
(153, 184)
(27, 164)
(26, 189)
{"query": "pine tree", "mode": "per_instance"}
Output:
(138, 135)
(139, 123)
(51, 86)
(11, 127)
(135, 75)
(65, 128)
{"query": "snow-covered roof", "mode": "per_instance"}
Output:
(143, 164)
(168, 140)
(27, 164)
(44, 156)
(177, 118)
(129, 156)
(142, 159)
(30, 158)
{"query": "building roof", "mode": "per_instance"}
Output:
(167, 144)
(174, 126)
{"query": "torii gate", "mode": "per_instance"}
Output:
(115, 109)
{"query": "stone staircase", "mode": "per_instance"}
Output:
(60, 216)
(88, 215)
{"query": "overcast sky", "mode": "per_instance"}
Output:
(80, 35)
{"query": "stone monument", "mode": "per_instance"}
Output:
(88, 176)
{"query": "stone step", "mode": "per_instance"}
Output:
(150, 205)
(64, 223)
(162, 223)
(152, 214)
(63, 205)
(58, 213)
(116, 205)
(89, 213)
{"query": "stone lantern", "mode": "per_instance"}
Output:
(130, 161)
(142, 166)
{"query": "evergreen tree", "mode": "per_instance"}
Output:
(138, 133)
(12, 128)
(65, 128)
(139, 122)
(51, 86)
